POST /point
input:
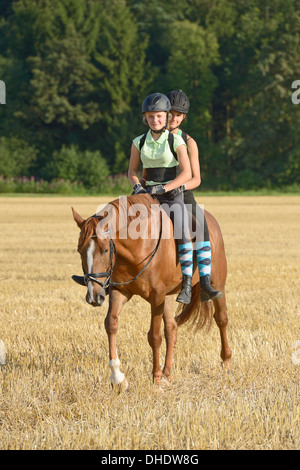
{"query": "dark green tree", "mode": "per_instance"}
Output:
(255, 121)
(76, 74)
(48, 73)
(194, 51)
(122, 80)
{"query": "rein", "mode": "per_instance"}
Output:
(113, 251)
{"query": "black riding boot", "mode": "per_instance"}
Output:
(207, 291)
(185, 294)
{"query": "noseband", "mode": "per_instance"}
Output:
(113, 251)
(94, 276)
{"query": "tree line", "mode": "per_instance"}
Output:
(76, 73)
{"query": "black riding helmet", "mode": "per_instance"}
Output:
(156, 102)
(179, 101)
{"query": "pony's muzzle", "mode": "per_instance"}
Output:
(95, 299)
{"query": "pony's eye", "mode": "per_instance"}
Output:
(106, 250)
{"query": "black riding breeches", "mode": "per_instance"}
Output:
(197, 217)
(173, 204)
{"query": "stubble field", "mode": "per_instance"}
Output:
(54, 385)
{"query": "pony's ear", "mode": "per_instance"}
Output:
(78, 219)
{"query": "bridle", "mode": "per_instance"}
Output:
(113, 251)
(94, 276)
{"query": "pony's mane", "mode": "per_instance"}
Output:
(89, 226)
(122, 206)
(143, 199)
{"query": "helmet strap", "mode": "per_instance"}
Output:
(174, 128)
(160, 131)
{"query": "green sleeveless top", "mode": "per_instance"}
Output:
(157, 153)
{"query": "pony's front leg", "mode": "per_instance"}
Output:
(117, 300)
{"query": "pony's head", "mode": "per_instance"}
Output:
(96, 258)
(125, 219)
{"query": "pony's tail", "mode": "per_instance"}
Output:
(197, 313)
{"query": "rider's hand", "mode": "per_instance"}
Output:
(156, 190)
(138, 189)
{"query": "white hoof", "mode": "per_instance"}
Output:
(119, 387)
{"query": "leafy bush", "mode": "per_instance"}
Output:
(116, 185)
(16, 157)
(72, 164)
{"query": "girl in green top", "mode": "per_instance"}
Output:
(165, 176)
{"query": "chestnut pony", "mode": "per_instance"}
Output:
(121, 265)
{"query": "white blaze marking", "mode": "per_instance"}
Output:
(117, 376)
(90, 259)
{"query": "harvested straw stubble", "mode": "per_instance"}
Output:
(54, 383)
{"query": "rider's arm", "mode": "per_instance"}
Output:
(134, 163)
(185, 167)
(195, 180)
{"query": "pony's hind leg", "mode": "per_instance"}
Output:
(221, 319)
(117, 301)
(155, 340)
(170, 327)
